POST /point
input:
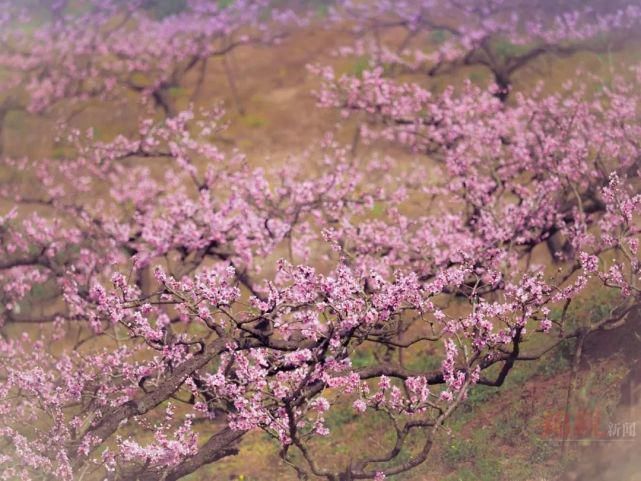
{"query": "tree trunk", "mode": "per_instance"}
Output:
(571, 392)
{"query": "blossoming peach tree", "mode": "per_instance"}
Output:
(503, 37)
(104, 49)
(161, 298)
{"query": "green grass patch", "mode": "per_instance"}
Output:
(254, 121)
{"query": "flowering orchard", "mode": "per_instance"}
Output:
(184, 298)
